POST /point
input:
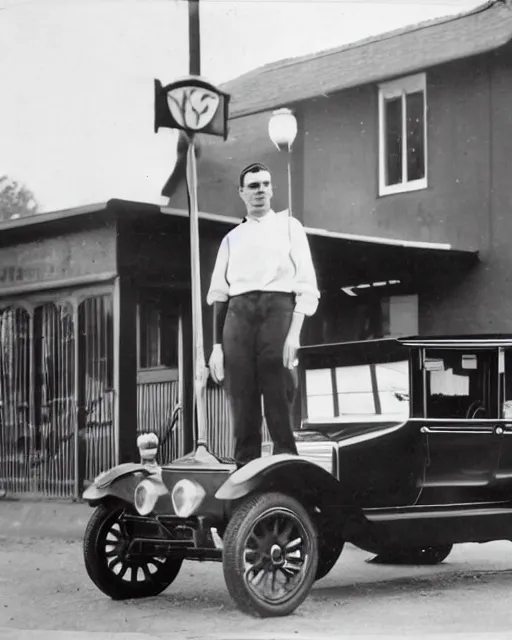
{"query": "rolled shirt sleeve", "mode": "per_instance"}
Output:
(219, 286)
(306, 288)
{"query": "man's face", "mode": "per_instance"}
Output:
(256, 192)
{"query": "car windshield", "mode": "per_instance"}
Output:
(358, 393)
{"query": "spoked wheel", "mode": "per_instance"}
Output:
(328, 557)
(270, 555)
(416, 555)
(106, 543)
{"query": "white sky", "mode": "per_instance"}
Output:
(76, 78)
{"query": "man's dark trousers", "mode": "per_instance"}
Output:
(255, 330)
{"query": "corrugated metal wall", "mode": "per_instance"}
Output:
(156, 402)
(220, 435)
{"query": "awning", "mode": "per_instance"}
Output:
(356, 263)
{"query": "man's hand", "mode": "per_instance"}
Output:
(216, 363)
(291, 344)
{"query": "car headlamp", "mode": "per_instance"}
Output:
(186, 496)
(145, 497)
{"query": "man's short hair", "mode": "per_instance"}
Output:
(255, 167)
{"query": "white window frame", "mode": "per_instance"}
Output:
(160, 372)
(395, 89)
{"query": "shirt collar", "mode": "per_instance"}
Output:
(268, 216)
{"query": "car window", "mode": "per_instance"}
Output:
(506, 383)
(358, 393)
(457, 383)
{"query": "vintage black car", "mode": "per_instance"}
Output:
(405, 448)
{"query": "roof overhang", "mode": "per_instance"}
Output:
(357, 264)
(351, 263)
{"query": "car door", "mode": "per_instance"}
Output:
(504, 472)
(460, 434)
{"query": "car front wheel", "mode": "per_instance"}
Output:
(119, 576)
(270, 555)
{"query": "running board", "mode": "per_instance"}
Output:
(445, 512)
(439, 525)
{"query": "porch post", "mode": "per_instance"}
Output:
(125, 371)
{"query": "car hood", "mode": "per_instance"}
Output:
(337, 432)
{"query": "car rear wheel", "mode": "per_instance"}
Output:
(106, 541)
(417, 555)
(328, 557)
(270, 555)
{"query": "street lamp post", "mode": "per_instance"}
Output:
(282, 130)
(194, 106)
(194, 38)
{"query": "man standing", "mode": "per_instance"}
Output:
(262, 286)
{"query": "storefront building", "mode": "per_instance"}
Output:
(95, 335)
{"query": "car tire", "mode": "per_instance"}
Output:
(328, 557)
(103, 554)
(417, 556)
(270, 537)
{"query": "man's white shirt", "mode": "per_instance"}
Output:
(270, 253)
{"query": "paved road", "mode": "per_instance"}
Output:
(44, 588)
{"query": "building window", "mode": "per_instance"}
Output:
(158, 335)
(402, 135)
(399, 316)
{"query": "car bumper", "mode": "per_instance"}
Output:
(192, 538)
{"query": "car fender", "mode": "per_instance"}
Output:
(282, 471)
(118, 482)
(338, 516)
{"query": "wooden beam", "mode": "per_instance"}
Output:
(125, 371)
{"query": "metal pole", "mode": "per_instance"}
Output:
(194, 38)
(294, 372)
(289, 156)
(200, 371)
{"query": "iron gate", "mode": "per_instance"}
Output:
(57, 399)
(17, 445)
(56, 395)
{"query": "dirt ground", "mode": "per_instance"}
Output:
(43, 586)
